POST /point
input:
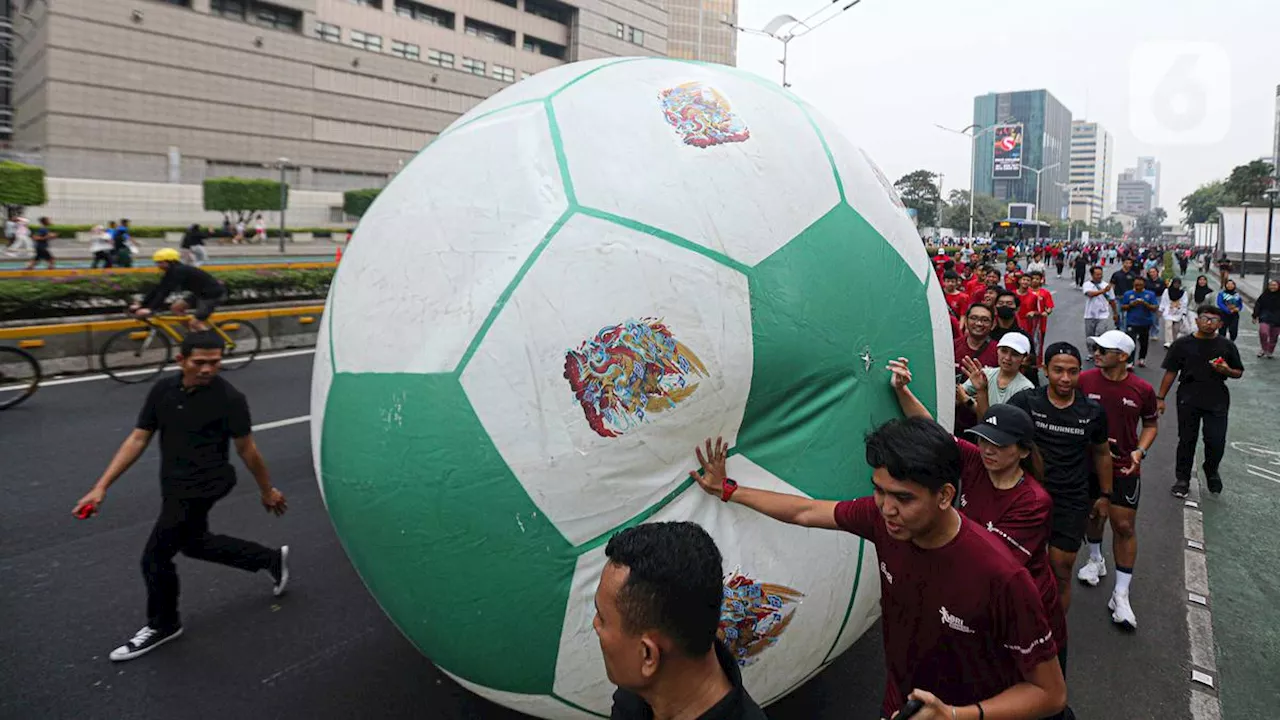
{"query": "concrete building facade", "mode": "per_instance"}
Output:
(176, 91)
(1092, 156)
(1046, 144)
(699, 30)
(1133, 194)
(6, 72)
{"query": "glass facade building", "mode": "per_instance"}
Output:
(697, 30)
(1046, 139)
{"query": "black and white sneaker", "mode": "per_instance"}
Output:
(146, 640)
(280, 571)
(1180, 490)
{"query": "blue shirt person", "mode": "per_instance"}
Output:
(1140, 305)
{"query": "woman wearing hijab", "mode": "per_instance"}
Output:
(1202, 290)
(1266, 313)
(1173, 311)
(1230, 303)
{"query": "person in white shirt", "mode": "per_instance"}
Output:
(1100, 305)
(259, 230)
(989, 386)
(21, 237)
(1173, 311)
(100, 245)
(1037, 263)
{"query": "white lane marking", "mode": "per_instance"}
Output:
(281, 423)
(1199, 622)
(88, 378)
(1263, 473)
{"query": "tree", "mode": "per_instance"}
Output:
(1203, 202)
(21, 186)
(1148, 226)
(243, 196)
(1110, 227)
(919, 191)
(986, 210)
(1248, 181)
(356, 202)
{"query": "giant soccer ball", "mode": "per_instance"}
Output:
(550, 306)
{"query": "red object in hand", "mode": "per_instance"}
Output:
(87, 511)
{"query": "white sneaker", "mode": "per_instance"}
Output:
(1092, 572)
(280, 573)
(1121, 613)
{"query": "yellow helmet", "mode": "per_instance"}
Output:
(166, 255)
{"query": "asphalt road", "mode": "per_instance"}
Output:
(70, 590)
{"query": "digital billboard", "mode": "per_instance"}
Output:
(1007, 163)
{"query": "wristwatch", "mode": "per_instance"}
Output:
(1144, 453)
(727, 490)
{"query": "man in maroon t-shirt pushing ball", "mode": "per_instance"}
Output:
(965, 632)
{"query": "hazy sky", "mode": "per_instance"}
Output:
(886, 70)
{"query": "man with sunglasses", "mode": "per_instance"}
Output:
(1128, 401)
(1201, 362)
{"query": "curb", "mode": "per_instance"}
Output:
(1205, 704)
(211, 267)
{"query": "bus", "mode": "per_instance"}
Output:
(1015, 230)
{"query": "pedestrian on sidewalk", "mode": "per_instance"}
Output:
(1183, 258)
(41, 237)
(1173, 311)
(10, 231)
(1080, 265)
(197, 414)
(1266, 313)
(100, 246)
(1230, 303)
(1201, 363)
(1140, 306)
(21, 237)
(193, 246)
(122, 245)
(1100, 304)
(1202, 291)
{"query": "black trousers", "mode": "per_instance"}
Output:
(101, 256)
(1080, 277)
(183, 527)
(1141, 335)
(1230, 326)
(1190, 420)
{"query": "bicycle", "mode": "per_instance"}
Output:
(136, 355)
(19, 376)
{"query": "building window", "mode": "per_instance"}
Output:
(234, 9)
(619, 30)
(635, 35)
(491, 33)
(408, 51)
(550, 9)
(440, 59)
(473, 66)
(424, 13)
(505, 74)
(508, 3)
(327, 31)
(366, 41)
(543, 47)
(525, 75)
(276, 18)
(367, 3)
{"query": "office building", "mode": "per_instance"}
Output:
(6, 72)
(700, 30)
(131, 104)
(1148, 170)
(1133, 194)
(1039, 138)
(1092, 156)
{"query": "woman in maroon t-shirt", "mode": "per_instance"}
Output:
(998, 490)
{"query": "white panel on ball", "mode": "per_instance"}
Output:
(543, 706)
(767, 177)
(821, 564)
(408, 260)
(592, 276)
(321, 377)
(535, 87)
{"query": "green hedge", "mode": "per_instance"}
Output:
(233, 194)
(357, 202)
(34, 298)
(144, 231)
(21, 185)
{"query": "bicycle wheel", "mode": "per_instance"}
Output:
(245, 341)
(19, 376)
(136, 355)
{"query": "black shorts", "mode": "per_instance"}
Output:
(1069, 520)
(1126, 490)
(42, 253)
(201, 307)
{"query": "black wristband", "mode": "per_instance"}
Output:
(982, 715)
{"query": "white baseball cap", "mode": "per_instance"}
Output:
(1016, 342)
(1114, 340)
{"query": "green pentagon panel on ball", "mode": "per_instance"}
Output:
(552, 304)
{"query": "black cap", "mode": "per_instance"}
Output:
(1005, 425)
(1061, 348)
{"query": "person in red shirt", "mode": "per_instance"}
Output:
(998, 490)
(975, 342)
(979, 280)
(1028, 302)
(1128, 401)
(992, 282)
(1011, 274)
(964, 630)
(957, 301)
(1038, 323)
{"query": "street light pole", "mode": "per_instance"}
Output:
(1271, 218)
(284, 199)
(775, 25)
(974, 133)
(1038, 173)
(1244, 236)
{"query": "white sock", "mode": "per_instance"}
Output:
(1095, 551)
(1122, 581)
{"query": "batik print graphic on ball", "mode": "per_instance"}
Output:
(547, 309)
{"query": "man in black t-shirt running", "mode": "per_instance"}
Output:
(1071, 429)
(1201, 363)
(197, 414)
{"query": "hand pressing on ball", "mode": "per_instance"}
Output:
(711, 478)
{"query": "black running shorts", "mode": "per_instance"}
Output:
(1069, 521)
(1126, 490)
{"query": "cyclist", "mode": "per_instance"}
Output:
(203, 291)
